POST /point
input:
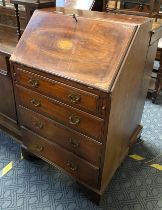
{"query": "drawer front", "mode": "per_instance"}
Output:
(67, 94)
(73, 141)
(3, 64)
(74, 118)
(62, 158)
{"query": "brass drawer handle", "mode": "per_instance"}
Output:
(38, 125)
(36, 103)
(72, 166)
(74, 144)
(74, 98)
(33, 82)
(38, 148)
(74, 120)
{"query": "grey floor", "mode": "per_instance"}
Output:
(38, 186)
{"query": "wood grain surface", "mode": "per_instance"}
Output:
(94, 48)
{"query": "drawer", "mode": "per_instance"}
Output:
(79, 144)
(73, 118)
(66, 93)
(62, 158)
(3, 63)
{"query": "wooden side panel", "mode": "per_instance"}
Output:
(3, 64)
(127, 104)
(8, 117)
(7, 104)
(146, 79)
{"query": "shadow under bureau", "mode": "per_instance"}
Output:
(80, 86)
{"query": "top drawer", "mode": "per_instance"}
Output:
(52, 88)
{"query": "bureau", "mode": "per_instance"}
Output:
(80, 84)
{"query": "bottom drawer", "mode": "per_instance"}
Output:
(60, 157)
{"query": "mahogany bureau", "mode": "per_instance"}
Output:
(12, 24)
(80, 88)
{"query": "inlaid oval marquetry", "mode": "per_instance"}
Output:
(64, 44)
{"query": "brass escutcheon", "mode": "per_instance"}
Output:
(36, 103)
(74, 144)
(72, 166)
(38, 125)
(38, 148)
(74, 98)
(74, 120)
(33, 82)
